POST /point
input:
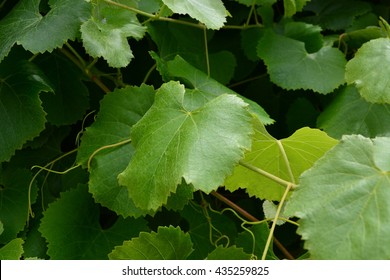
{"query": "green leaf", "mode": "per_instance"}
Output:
(352, 219)
(13, 250)
(169, 243)
(208, 87)
(294, 68)
(291, 7)
(72, 230)
(14, 197)
(335, 14)
(176, 140)
(119, 111)
(105, 34)
(302, 149)
(230, 253)
(21, 114)
(178, 200)
(61, 23)
(70, 101)
(349, 113)
(211, 13)
(367, 73)
(256, 246)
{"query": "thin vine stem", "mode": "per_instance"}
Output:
(277, 214)
(286, 161)
(103, 148)
(274, 178)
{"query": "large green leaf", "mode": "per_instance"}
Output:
(302, 149)
(13, 250)
(208, 87)
(178, 138)
(349, 113)
(367, 70)
(168, 243)
(26, 26)
(294, 68)
(212, 13)
(105, 33)
(343, 201)
(21, 114)
(14, 197)
(119, 110)
(72, 230)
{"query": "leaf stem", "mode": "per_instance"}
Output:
(206, 49)
(286, 161)
(274, 178)
(272, 230)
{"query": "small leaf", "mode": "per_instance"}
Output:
(61, 23)
(21, 114)
(169, 243)
(367, 73)
(105, 34)
(211, 13)
(270, 209)
(291, 7)
(302, 149)
(352, 220)
(176, 140)
(349, 113)
(13, 250)
(72, 230)
(294, 68)
(230, 253)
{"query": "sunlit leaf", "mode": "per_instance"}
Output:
(343, 201)
(13, 250)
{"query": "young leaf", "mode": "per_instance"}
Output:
(302, 149)
(211, 13)
(367, 72)
(14, 197)
(295, 68)
(349, 113)
(174, 141)
(352, 218)
(21, 114)
(291, 7)
(72, 230)
(169, 243)
(13, 250)
(119, 110)
(230, 253)
(105, 34)
(61, 23)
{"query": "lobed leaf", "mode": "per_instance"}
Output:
(352, 218)
(178, 139)
(302, 149)
(168, 243)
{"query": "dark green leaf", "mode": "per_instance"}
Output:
(230, 253)
(169, 243)
(72, 230)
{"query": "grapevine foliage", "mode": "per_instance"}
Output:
(200, 129)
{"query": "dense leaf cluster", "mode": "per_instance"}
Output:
(199, 129)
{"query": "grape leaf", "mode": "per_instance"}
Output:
(72, 230)
(61, 23)
(119, 110)
(208, 87)
(211, 13)
(14, 195)
(21, 114)
(229, 253)
(13, 250)
(291, 7)
(294, 68)
(367, 73)
(105, 33)
(302, 149)
(70, 101)
(352, 220)
(169, 243)
(349, 113)
(200, 144)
